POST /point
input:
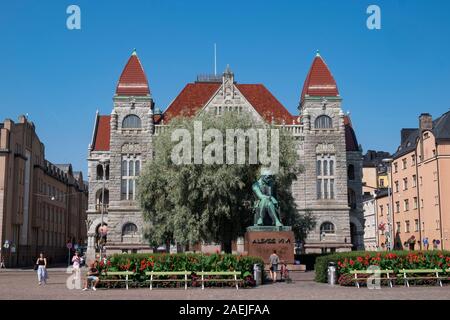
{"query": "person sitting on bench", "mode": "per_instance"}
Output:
(92, 277)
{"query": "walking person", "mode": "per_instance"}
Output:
(2, 261)
(274, 260)
(41, 262)
(76, 263)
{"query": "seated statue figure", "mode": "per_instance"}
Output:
(266, 203)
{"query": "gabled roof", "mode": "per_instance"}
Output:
(441, 127)
(133, 81)
(319, 81)
(102, 134)
(194, 97)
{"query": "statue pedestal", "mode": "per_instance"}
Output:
(260, 241)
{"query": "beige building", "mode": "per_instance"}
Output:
(42, 205)
(421, 185)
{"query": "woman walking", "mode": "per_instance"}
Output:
(76, 260)
(41, 262)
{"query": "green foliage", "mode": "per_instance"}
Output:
(392, 260)
(302, 223)
(191, 203)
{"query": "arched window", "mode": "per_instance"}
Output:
(351, 172)
(327, 228)
(351, 198)
(129, 229)
(323, 122)
(331, 168)
(131, 121)
(102, 203)
(319, 167)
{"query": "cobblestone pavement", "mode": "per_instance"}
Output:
(15, 284)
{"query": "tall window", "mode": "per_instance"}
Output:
(323, 122)
(406, 204)
(416, 225)
(404, 162)
(131, 121)
(405, 183)
(397, 206)
(381, 210)
(407, 226)
(131, 166)
(414, 181)
(351, 198)
(325, 177)
(396, 186)
(416, 204)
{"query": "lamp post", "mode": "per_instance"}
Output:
(390, 212)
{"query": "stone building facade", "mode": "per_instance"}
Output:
(330, 187)
(42, 205)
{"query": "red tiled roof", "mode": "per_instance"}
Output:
(351, 142)
(265, 103)
(320, 81)
(195, 95)
(132, 81)
(102, 134)
(191, 99)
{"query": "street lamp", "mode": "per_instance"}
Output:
(390, 212)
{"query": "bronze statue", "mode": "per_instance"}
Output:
(266, 203)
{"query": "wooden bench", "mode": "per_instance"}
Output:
(177, 274)
(388, 277)
(118, 276)
(422, 274)
(234, 274)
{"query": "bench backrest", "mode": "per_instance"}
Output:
(371, 272)
(119, 273)
(420, 270)
(218, 273)
(167, 273)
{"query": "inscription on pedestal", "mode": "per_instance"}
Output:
(262, 243)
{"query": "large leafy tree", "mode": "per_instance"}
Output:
(191, 203)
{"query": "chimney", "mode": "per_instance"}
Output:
(425, 122)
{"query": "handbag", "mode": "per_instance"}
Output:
(36, 266)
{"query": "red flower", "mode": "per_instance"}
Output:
(360, 259)
(352, 262)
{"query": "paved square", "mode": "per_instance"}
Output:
(18, 284)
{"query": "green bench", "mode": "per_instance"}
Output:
(422, 274)
(176, 274)
(232, 274)
(389, 276)
(118, 276)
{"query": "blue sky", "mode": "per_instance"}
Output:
(60, 77)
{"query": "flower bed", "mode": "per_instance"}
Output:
(393, 260)
(142, 263)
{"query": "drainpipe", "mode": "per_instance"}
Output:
(439, 197)
(418, 199)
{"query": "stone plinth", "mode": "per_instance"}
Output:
(261, 241)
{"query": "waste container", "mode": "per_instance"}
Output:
(257, 274)
(332, 273)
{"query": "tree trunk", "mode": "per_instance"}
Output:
(227, 247)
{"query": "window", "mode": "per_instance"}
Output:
(396, 186)
(434, 152)
(398, 227)
(438, 224)
(130, 229)
(131, 121)
(395, 167)
(351, 198)
(327, 228)
(381, 184)
(325, 179)
(381, 210)
(436, 200)
(414, 181)
(130, 171)
(416, 204)
(351, 172)
(405, 183)
(404, 163)
(413, 160)
(435, 175)
(407, 226)
(406, 204)
(421, 203)
(416, 225)
(397, 206)
(387, 209)
(421, 181)
(323, 122)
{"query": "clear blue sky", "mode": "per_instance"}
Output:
(60, 77)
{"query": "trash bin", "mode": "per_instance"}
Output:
(332, 273)
(257, 274)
